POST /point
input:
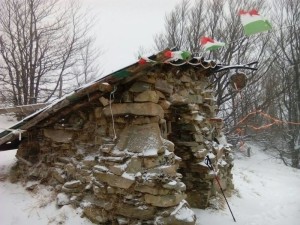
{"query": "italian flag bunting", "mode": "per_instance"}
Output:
(184, 55)
(144, 60)
(253, 23)
(210, 44)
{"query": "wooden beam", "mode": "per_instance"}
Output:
(71, 108)
(7, 138)
(23, 109)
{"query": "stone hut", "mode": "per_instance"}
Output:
(129, 148)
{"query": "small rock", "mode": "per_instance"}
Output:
(147, 96)
(104, 101)
(73, 184)
(57, 174)
(164, 200)
(182, 215)
(95, 214)
(62, 199)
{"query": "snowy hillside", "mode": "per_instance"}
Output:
(266, 192)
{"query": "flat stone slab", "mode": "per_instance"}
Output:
(164, 200)
(114, 180)
(139, 212)
(147, 96)
(62, 136)
(144, 139)
(164, 86)
(139, 109)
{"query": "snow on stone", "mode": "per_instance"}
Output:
(90, 157)
(211, 173)
(183, 213)
(129, 176)
(168, 153)
(73, 198)
(221, 162)
(211, 155)
(205, 129)
(62, 199)
(101, 168)
(138, 174)
(202, 163)
(149, 149)
(150, 152)
(85, 204)
(73, 183)
(177, 158)
(122, 166)
(222, 139)
(199, 118)
(172, 183)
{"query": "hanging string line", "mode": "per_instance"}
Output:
(265, 115)
(112, 115)
(168, 61)
(274, 120)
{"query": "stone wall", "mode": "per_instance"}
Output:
(136, 158)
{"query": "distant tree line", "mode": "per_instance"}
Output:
(273, 89)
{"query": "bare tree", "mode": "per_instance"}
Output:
(41, 41)
(176, 28)
(87, 70)
(218, 19)
(273, 88)
(286, 78)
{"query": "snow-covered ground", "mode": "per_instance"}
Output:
(6, 121)
(266, 192)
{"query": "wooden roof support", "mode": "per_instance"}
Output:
(64, 112)
(25, 109)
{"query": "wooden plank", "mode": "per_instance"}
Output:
(72, 108)
(51, 111)
(24, 109)
(8, 138)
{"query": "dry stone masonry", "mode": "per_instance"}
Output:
(135, 153)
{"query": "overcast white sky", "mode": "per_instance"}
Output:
(124, 25)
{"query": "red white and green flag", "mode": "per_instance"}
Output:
(253, 22)
(210, 44)
(144, 60)
(175, 55)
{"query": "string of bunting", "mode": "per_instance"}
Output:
(177, 55)
(252, 22)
